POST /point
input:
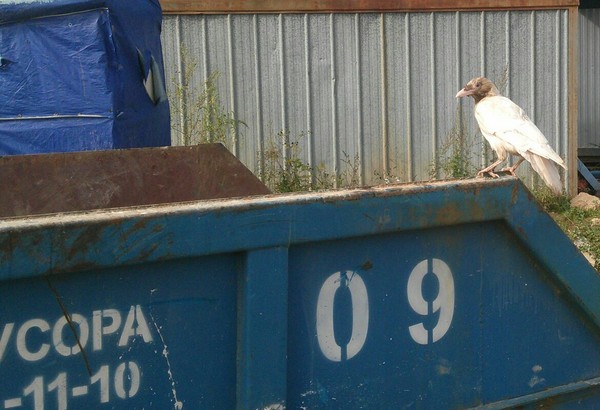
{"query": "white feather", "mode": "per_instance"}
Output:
(547, 170)
(509, 131)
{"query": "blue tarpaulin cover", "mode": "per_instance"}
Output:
(81, 75)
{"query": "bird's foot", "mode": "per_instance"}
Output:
(510, 170)
(481, 174)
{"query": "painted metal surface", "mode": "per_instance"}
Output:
(80, 181)
(436, 295)
(374, 90)
(589, 79)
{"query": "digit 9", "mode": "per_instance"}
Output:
(443, 302)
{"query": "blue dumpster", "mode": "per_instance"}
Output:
(443, 295)
(81, 75)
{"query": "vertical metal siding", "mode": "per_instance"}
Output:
(322, 82)
(376, 86)
(372, 85)
(589, 78)
(398, 126)
(246, 83)
(347, 105)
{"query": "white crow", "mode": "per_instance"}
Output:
(510, 131)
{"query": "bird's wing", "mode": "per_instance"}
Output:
(504, 119)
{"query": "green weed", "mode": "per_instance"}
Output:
(454, 158)
(204, 119)
(282, 168)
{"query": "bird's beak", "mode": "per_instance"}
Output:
(464, 93)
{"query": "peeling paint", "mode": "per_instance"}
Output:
(536, 379)
(443, 368)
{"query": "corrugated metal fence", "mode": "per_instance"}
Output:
(589, 79)
(372, 92)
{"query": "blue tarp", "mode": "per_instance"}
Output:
(81, 75)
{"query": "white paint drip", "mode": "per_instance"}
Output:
(177, 405)
(309, 393)
(275, 406)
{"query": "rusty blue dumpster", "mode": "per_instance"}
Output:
(441, 295)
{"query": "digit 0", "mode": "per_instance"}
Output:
(121, 379)
(360, 315)
(444, 301)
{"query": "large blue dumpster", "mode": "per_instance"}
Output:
(440, 295)
(81, 75)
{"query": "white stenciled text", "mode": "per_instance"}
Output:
(35, 338)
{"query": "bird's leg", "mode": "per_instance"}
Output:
(490, 170)
(511, 170)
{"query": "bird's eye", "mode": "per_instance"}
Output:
(478, 85)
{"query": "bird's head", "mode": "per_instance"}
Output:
(478, 88)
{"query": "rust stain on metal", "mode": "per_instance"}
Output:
(80, 181)
(139, 225)
(146, 253)
(85, 241)
(474, 188)
(31, 242)
(522, 232)
(146, 238)
(449, 214)
(515, 194)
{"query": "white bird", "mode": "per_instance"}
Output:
(509, 130)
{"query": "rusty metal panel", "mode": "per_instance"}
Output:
(442, 295)
(49, 183)
(377, 87)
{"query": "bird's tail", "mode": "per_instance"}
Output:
(548, 171)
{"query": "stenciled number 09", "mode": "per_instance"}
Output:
(443, 303)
